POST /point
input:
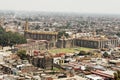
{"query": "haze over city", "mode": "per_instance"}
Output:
(79, 6)
(59, 39)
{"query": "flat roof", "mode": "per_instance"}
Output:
(93, 39)
(114, 61)
(42, 32)
(94, 77)
(72, 78)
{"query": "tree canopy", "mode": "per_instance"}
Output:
(61, 33)
(105, 55)
(83, 53)
(10, 38)
(22, 54)
(117, 75)
(118, 34)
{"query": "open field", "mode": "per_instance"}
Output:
(69, 50)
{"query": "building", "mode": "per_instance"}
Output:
(33, 45)
(43, 60)
(65, 43)
(94, 77)
(72, 78)
(114, 62)
(97, 42)
(91, 41)
(40, 35)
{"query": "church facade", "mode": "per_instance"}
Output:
(52, 38)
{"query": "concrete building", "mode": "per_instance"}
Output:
(33, 45)
(45, 62)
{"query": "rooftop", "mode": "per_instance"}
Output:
(94, 77)
(72, 78)
(93, 38)
(42, 32)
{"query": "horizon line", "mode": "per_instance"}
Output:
(68, 12)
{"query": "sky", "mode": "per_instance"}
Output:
(78, 6)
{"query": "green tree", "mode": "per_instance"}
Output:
(105, 54)
(61, 33)
(88, 68)
(37, 27)
(89, 53)
(81, 53)
(10, 38)
(1, 30)
(117, 75)
(22, 54)
(118, 34)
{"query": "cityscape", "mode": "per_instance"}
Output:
(59, 43)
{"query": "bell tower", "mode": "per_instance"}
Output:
(26, 29)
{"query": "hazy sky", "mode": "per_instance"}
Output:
(82, 6)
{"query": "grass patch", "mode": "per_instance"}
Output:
(69, 50)
(56, 69)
